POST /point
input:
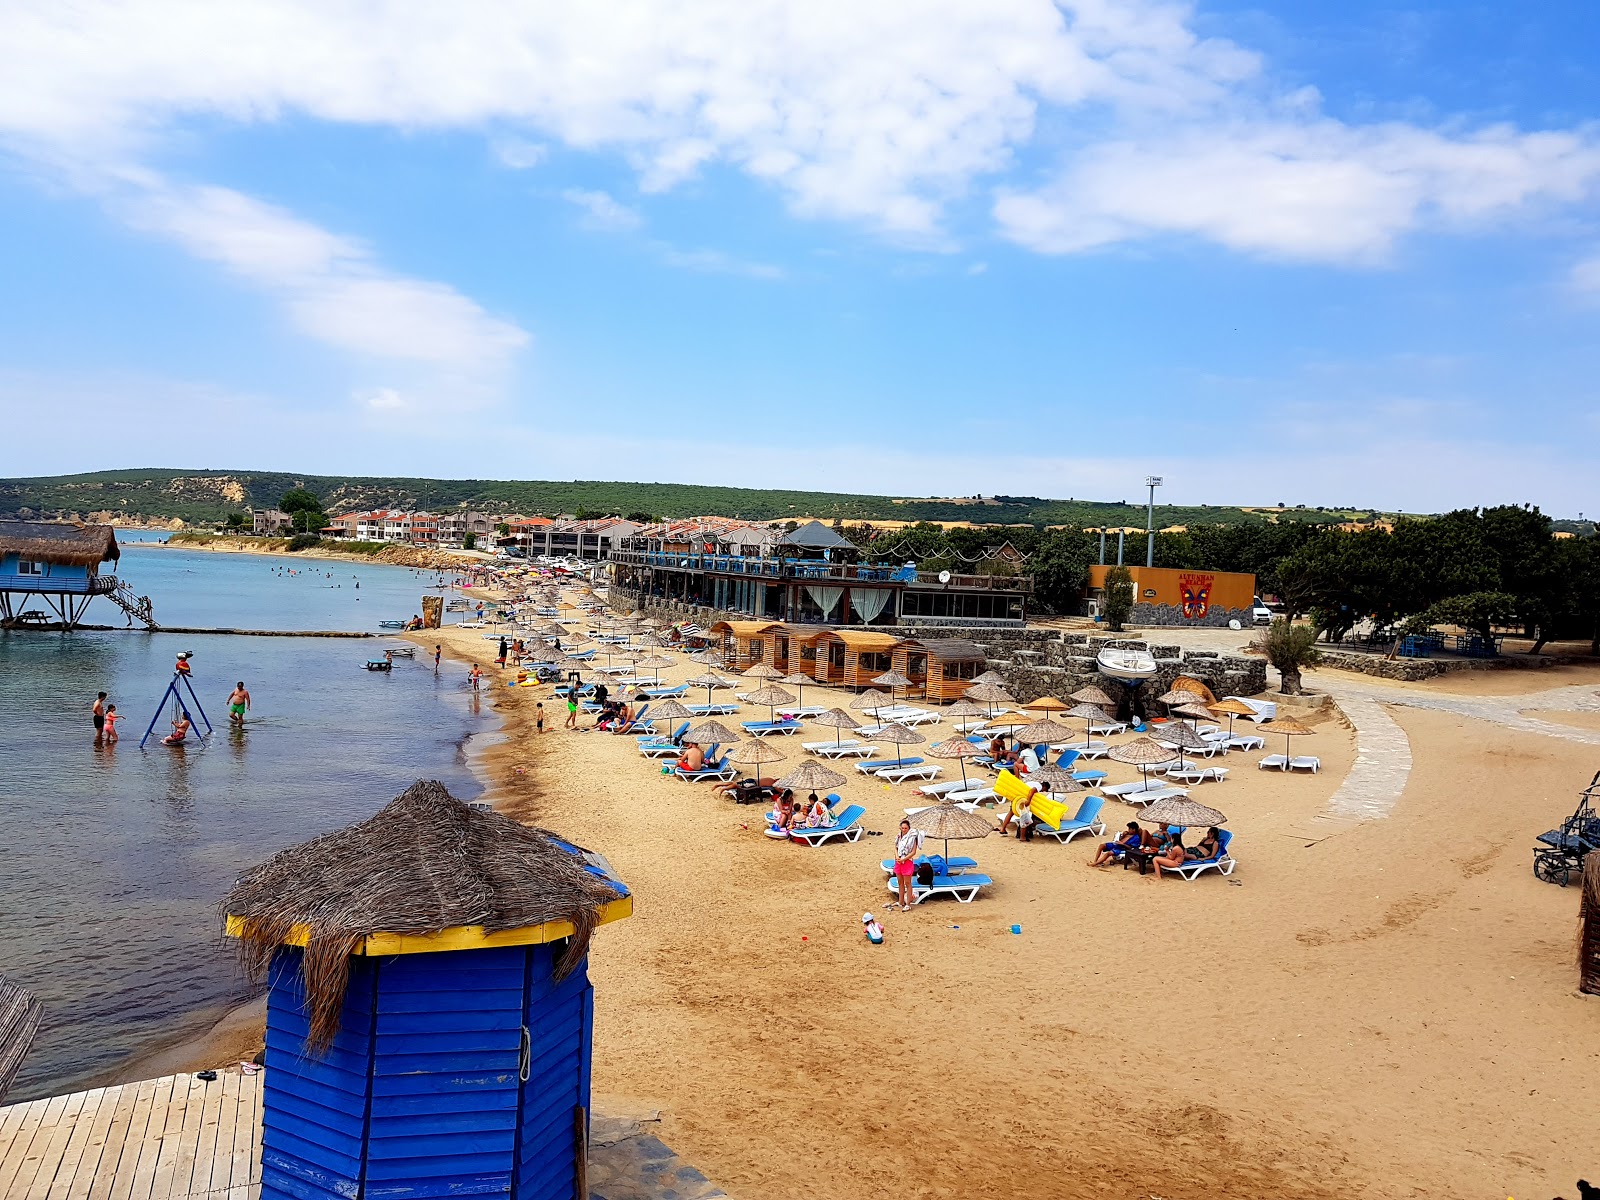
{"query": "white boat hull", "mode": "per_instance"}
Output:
(1130, 666)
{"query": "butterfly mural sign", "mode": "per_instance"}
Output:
(1196, 592)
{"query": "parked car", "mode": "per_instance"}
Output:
(1259, 612)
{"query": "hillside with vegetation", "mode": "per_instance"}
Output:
(205, 497)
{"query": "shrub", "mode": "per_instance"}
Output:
(1290, 648)
(303, 541)
(1118, 602)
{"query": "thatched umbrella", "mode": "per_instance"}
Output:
(710, 733)
(799, 680)
(950, 821)
(707, 658)
(1091, 694)
(1090, 714)
(1184, 738)
(1059, 778)
(989, 677)
(1287, 726)
(770, 696)
(1144, 754)
(708, 681)
(1183, 812)
(1036, 732)
(812, 776)
(1196, 711)
(654, 664)
(1588, 933)
(426, 862)
(670, 710)
(1231, 709)
(1045, 704)
(991, 694)
(1173, 696)
(870, 699)
(20, 1015)
(755, 752)
(892, 680)
(957, 748)
(761, 671)
(837, 720)
(898, 735)
(965, 708)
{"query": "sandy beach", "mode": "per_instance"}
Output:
(1390, 1011)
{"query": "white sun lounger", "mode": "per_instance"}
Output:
(1265, 710)
(849, 748)
(1133, 793)
(941, 789)
(1109, 728)
(901, 774)
(964, 888)
(1305, 762)
(1084, 749)
(1198, 774)
(1245, 741)
(1280, 761)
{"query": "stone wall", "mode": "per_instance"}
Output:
(1170, 614)
(1412, 669)
(1038, 662)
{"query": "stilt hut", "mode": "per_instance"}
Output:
(743, 643)
(60, 566)
(429, 1013)
(939, 668)
(793, 647)
(854, 657)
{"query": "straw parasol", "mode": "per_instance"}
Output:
(1045, 704)
(1183, 812)
(1058, 777)
(949, 821)
(654, 663)
(755, 752)
(989, 677)
(1092, 694)
(707, 658)
(991, 694)
(957, 748)
(812, 776)
(966, 708)
(1191, 710)
(837, 720)
(710, 733)
(1174, 696)
(799, 680)
(424, 863)
(1232, 709)
(870, 699)
(1287, 726)
(771, 696)
(892, 680)
(761, 671)
(708, 681)
(1142, 753)
(20, 1016)
(898, 735)
(669, 710)
(1181, 736)
(1090, 714)
(1036, 732)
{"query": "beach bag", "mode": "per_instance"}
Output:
(925, 874)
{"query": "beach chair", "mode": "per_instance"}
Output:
(712, 710)
(964, 888)
(672, 738)
(1089, 749)
(939, 789)
(660, 749)
(662, 692)
(1281, 761)
(970, 798)
(1246, 741)
(580, 655)
(721, 770)
(802, 714)
(872, 768)
(639, 719)
(845, 749)
(1222, 863)
(848, 828)
(1265, 710)
(909, 769)
(1109, 728)
(1305, 762)
(1198, 774)
(768, 728)
(1085, 820)
(953, 865)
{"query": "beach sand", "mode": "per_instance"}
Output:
(1387, 1012)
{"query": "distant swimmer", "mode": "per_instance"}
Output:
(238, 704)
(180, 731)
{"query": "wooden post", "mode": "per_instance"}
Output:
(580, 1130)
(1589, 935)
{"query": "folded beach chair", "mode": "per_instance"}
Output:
(767, 728)
(848, 828)
(1281, 761)
(1305, 762)
(1085, 820)
(1222, 863)
(953, 865)
(964, 888)
(721, 770)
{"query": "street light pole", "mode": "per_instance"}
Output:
(1152, 482)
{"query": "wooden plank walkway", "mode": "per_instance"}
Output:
(173, 1138)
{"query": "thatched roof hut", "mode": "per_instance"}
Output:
(73, 545)
(428, 872)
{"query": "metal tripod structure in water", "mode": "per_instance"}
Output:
(178, 705)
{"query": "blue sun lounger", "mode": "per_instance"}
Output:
(880, 765)
(848, 827)
(671, 739)
(1086, 820)
(720, 770)
(953, 865)
(964, 888)
(1222, 863)
(664, 692)
(765, 728)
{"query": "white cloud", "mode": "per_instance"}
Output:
(332, 287)
(520, 154)
(602, 212)
(1585, 276)
(381, 399)
(715, 262)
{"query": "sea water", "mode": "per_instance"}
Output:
(113, 859)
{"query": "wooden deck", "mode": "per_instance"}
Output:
(173, 1138)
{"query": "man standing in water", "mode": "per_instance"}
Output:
(238, 702)
(99, 716)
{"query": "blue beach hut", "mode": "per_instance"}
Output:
(57, 565)
(429, 1015)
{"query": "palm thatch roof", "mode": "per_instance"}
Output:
(59, 544)
(951, 650)
(20, 1014)
(425, 863)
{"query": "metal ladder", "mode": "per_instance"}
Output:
(138, 608)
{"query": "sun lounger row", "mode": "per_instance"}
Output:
(845, 748)
(1300, 762)
(899, 772)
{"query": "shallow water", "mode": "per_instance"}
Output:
(115, 858)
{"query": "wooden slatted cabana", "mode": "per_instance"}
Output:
(853, 657)
(791, 647)
(743, 643)
(939, 668)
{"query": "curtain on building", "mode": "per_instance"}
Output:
(868, 603)
(826, 598)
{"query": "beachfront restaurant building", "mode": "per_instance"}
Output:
(808, 576)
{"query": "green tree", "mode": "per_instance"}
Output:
(1477, 611)
(503, 529)
(1291, 649)
(235, 520)
(469, 541)
(304, 509)
(642, 517)
(1118, 602)
(1059, 567)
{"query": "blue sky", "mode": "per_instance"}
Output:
(1321, 254)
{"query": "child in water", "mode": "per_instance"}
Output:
(111, 723)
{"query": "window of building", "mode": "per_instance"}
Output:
(874, 662)
(27, 566)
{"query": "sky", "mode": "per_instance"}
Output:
(1345, 255)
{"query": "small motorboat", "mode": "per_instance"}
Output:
(1130, 666)
(391, 624)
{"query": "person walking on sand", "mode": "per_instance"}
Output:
(502, 658)
(238, 704)
(475, 675)
(906, 848)
(99, 713)
(111, 723)
(572, 708)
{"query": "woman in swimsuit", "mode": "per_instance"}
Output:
(906, 848)
(1171, 854)
(1208, 847)
(180, 730)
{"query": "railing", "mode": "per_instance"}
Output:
(93, 585)
(808, 569)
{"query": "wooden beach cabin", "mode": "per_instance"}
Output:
(793, 647)
(58, 565)
(742, 643)
(939, 668)
(854, 657)
(429, 1014)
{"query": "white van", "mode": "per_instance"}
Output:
(1259, 612)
